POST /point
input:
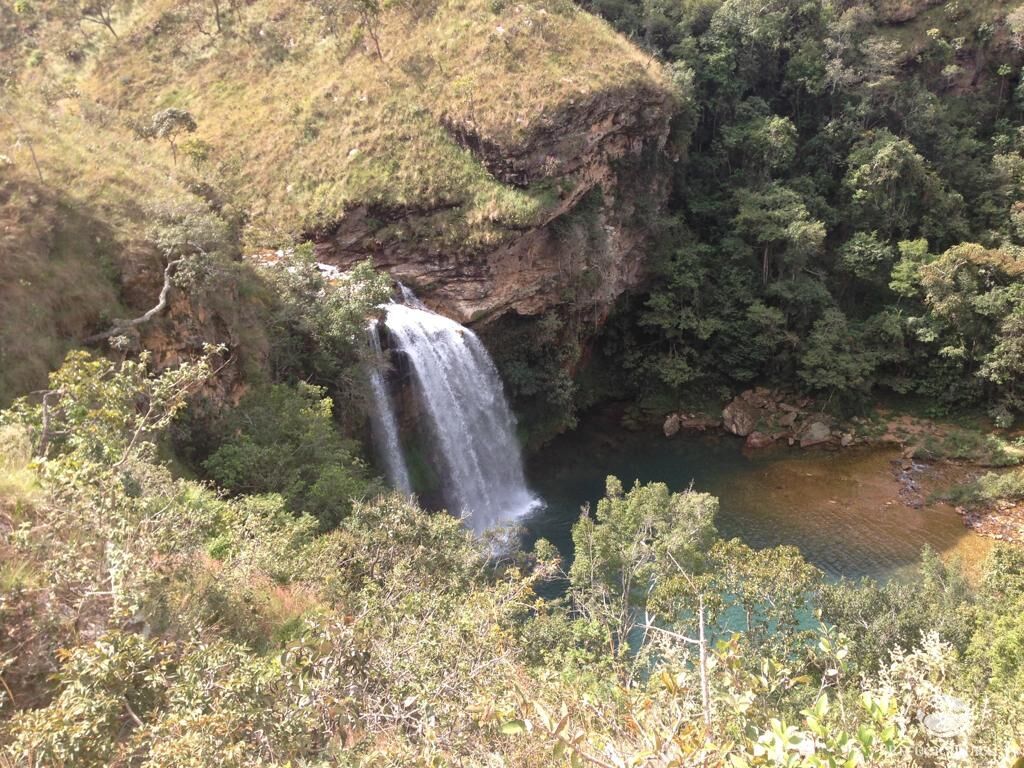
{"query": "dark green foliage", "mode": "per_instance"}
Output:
(702, 321)
(826, 168)
(282, 439)
(838, 356)
(867, 256)
(317, 327)
(534, 357)
(997, 649)
(775, 221)
(893, 190)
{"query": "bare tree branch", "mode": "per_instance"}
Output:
(24, 137)
(123, 325)
(131, 713)
(46, 432)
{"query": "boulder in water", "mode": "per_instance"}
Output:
(740, 417)
(759, 440)
(672, 425)
(699, 422)
(815, 433)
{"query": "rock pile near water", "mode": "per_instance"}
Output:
(693, 422)
(765, 417)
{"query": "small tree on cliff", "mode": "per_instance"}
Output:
(351, 21)
(170, 125)
(99, 12)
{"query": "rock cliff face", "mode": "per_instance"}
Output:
(192, 320)
(602, 161)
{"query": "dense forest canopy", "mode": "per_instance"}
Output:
(846, 217)
(198, 563)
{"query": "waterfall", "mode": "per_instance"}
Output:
(385, 425)
(410, 299)
(470, 418)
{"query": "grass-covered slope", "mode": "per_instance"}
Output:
(303, 111)
(76, 221)
(301, 116)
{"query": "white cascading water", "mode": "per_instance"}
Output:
(463, 396)
(385, 424)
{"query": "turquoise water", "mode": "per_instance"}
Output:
(846, 511)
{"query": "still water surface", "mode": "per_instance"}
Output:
(847, 511)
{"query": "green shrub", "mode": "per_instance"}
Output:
(1008, 485)
(317, 326)
(282, 439)
(880, 617)
(106, 688)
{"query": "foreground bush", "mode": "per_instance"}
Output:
(148, 621)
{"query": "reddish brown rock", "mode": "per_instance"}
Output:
(815, 433)
(759, 440)
(698, 422)
(603, 144)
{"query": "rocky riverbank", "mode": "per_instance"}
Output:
(765, 417)
(1001, 520)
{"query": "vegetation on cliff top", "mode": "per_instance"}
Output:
(303, 111)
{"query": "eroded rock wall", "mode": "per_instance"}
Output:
(606, 159)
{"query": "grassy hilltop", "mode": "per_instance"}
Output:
(300, 114)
